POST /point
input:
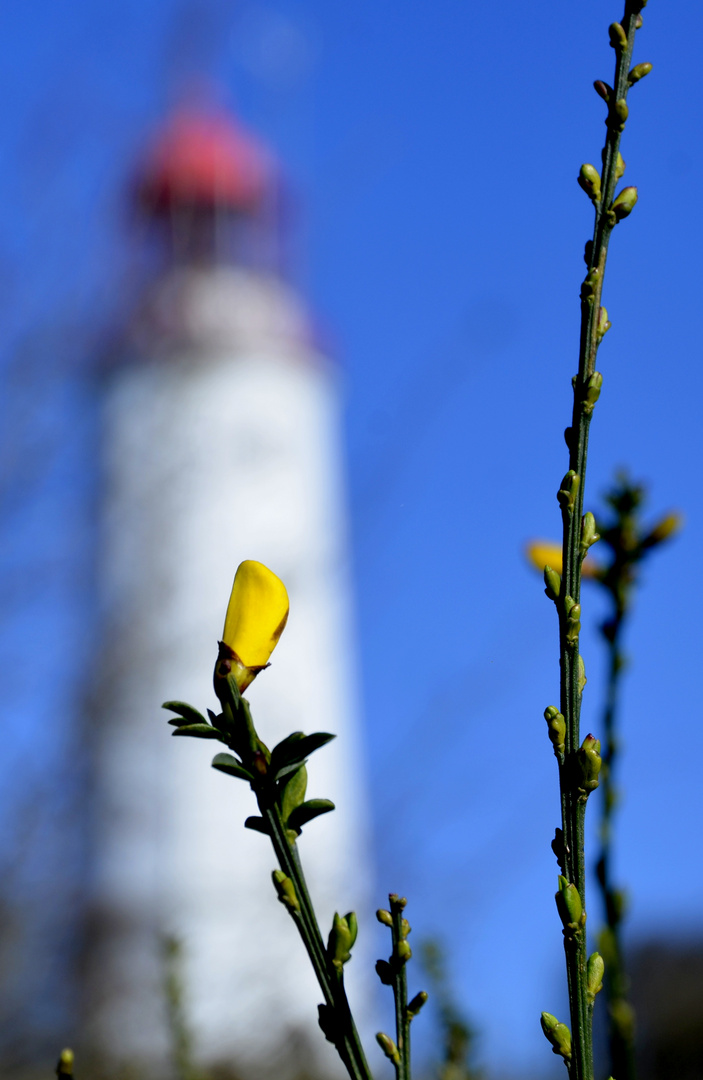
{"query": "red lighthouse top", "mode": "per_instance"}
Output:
(204, 159)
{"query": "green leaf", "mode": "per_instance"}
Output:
(290, 740)
(226, 763)
(257, 824)
(294, 750)
(307, 811)
(294, 792)
(198, 731)
(187, 712)
(287, 770)
(218, 721)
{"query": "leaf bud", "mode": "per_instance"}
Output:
(582, 680)
(286, 890)
(619, 167)
(384, 917)
(602, 89)
(588, 761)
(594, 975)
(618, 37)
(558, 1035)
(589, 286)
(625, 203)
(402, 952)
(416, 1004)
(569, 904)
(638, 72)
(341, 939)
(589, 179)
(593, 388)
(617, 115)
(589, 536)
(603, 324)
(552, 580)
(557, 728)
(568, 490)
(573, 624)
(388, 1046)
(638, 21)
(353, 925)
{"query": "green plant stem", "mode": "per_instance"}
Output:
(240, 735)
(400, 993)
(331, 983)
(181, 1043)
(573, 809)
(620, 1040)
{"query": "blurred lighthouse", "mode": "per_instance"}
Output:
(221, 443)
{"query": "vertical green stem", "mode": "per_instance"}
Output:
(400, 988)
(620, 1020)
(571, 498)
(331, 983)
(240, 735)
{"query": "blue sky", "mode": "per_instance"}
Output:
(432, 151)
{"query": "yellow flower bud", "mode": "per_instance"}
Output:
(668, 526)
(543, 553)
(256, 616)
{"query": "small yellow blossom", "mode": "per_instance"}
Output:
(543, 553)
(668, 526)
(256, 616)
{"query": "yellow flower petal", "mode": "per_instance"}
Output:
(543, 553)
(256, 614)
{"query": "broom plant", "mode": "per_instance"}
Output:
(579, 761)
(256, 617)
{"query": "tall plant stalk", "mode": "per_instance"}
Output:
(579, 763)
(628, 543)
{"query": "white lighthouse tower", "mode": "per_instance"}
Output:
(221, 443)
